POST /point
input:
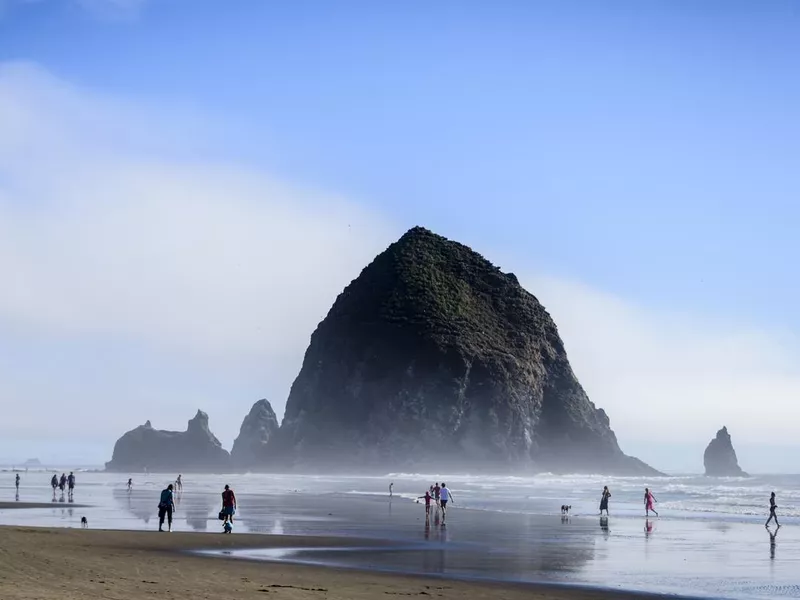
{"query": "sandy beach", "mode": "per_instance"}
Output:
(339, 533)
(41, 563)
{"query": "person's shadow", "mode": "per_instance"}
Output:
(772, 543)
(604, 526)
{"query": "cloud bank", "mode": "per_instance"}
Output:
(109, 235)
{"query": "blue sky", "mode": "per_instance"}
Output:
(634, 158)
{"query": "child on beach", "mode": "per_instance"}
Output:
(427, 498)
(772, 507)
(649, 500)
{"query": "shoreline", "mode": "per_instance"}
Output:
(137, 564)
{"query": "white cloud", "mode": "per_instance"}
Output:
(673, 378)
(212, 263)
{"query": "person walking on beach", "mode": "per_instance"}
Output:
(391, 485)
(228, 505)
(604, 500)
(130, 485)
(71, 482)
(772, 507)
(62, 483)
(166, 507)
(437, 493)
(444, 497)
(54, 484)
(179, 483)
(649, 500)
(16, 482)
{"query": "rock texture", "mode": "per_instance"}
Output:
(250, 448)
(434, 358)
(196, 449)
(720, 457)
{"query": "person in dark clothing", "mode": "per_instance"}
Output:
(166, 507)
(71, 482)
(604, 500)
(772, 507)
(228, 505)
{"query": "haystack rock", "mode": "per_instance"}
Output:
(434, 358)
(196, 449)
(250, 448)
(720, 457)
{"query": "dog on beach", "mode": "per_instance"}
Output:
(565, 508)
(84, 522)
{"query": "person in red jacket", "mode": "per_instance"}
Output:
(228, 504)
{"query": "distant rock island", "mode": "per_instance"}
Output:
(434, 358)
(250, 450)
(146, 448)
(720, 457)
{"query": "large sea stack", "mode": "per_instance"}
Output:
(720, 459)
(250, 450)
(434, 359)
(145, 448)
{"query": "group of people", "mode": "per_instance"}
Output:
(65, 482)
(650, 501)
(166, 506)
(441, 495)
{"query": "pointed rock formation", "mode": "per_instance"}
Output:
(433, 356)
(250, 448)
(196, 449)
(719, 458)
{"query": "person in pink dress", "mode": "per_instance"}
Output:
(649, 500)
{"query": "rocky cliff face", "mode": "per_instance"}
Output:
(433, 357)
(720, 457)
(196, 449)
(250, 448)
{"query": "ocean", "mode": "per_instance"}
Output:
(709, 540)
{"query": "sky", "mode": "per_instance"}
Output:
(184, 190)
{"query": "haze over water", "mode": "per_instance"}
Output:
(710, 539)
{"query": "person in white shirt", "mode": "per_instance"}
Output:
(445, 496)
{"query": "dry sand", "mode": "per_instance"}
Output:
(72, 564)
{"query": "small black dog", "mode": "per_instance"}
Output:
(84, 522)
(565, 509)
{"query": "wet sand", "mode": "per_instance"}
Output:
(14, 505)
(72, 564)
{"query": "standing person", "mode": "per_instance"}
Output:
(62, 483)
(228, 505)
(179, 483)
(427, 497)
(54, 484)
(445, 496)
(772, 507)
(16, 482)
(130, 485)
(71, 482)
(391, 485)
(166, 507)
(604, 500)
(649, 500)
(437, 493)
